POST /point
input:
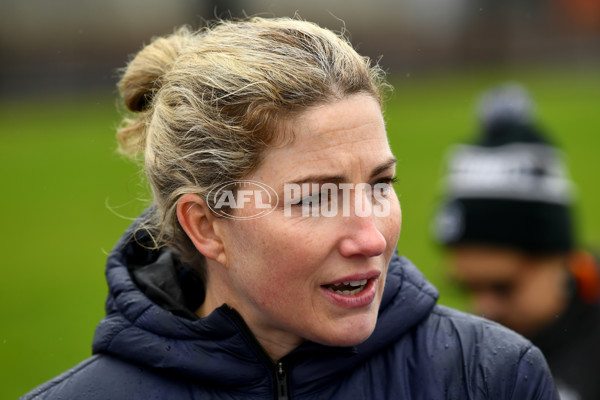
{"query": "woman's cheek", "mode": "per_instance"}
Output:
(395, 223)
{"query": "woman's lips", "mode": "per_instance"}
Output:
(353, 291)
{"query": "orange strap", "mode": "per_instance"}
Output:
(585, 269)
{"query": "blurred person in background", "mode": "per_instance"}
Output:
(507, 222)
(217, 303)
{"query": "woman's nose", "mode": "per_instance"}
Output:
(363, 237)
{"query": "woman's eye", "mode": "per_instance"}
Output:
(390, 180)
(385, 184)
(316, 199)
(312, 200)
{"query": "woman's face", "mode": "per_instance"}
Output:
(287, 271)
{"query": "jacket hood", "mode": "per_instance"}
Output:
(150, 321)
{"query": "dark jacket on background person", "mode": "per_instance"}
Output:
(571, 344)
(151, 345)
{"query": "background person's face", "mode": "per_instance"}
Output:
(280, 266)
(520, 292)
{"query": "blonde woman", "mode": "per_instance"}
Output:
(266, 267)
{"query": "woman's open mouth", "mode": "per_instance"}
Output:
(352, 292)
(348, 287)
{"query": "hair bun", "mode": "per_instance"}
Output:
(506, 103)
(142, 77)
(141, 80)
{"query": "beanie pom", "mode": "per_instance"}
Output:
(508, 103)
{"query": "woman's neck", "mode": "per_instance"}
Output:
(276, 343)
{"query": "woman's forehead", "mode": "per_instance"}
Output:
(346, 139)
(354, 119)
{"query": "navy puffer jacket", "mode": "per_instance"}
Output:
(151, 345)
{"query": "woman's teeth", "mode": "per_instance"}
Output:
(348, 287)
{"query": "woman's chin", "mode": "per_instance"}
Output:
(349, 333)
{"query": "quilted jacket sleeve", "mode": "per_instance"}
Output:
(533, 378)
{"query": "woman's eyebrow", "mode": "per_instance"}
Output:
(340, 178)
(383, 167)
(321, 179)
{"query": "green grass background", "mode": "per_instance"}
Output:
(64, 188)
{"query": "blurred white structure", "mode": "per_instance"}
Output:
(74, 44)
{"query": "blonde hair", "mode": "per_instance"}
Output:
(208, 103)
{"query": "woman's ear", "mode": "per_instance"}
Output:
(198, 223)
